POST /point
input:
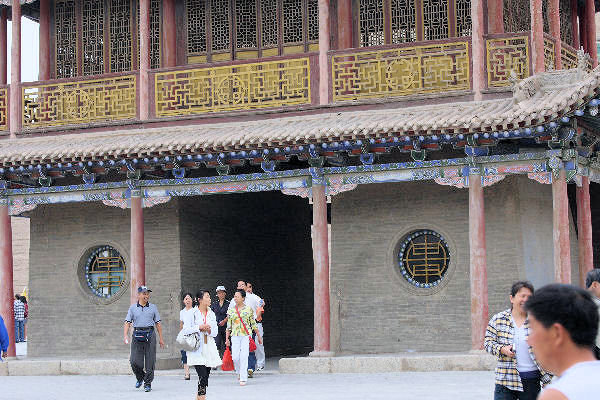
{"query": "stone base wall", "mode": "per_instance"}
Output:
(20, 244)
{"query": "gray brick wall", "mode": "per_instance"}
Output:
(63, 321)
(374, 311)
(261, 237)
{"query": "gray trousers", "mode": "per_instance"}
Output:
(143, 355)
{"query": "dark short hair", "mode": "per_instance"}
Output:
(569, 306)
(240, 291)
(17, 297)
(23, 299)
(520, 285)
(200, 293)
(591, 277)
(187, 294)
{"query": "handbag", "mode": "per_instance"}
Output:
(227, 361)
(252, 342)
(189, 342)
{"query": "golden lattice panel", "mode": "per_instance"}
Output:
(81, 102)
(3, 109)
(568, 58)
(401, 72)
(236, 87)
(549, 55)
(504, 56)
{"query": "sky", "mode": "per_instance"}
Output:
(29, 50)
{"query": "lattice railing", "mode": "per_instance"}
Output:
(4, 108)
(505, 55)
(549, 54)
(568, 57)
(247, 86)
(400, 71)
(84, 101)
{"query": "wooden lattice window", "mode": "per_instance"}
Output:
(243, 29)
(105, 271)
(371, 23)
(93, 37)
(424, 258)
(65, 25)
(120, 36)
(517, 16)
(464, 25)
(546, 16)
(566, 26)
(155, 24)
(435, 19)
(403, 18)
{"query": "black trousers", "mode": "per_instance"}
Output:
(143, 356)
(203, 372)
(220, 340)
(531, 389)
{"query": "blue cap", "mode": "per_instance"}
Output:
(143, 289)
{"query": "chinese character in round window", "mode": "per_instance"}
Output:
(423, 258)
(105, 271)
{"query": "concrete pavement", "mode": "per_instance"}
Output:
(472, 385)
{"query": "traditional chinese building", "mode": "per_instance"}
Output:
(380, 170)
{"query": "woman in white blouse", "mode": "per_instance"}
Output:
(207, 355)
(186, 320)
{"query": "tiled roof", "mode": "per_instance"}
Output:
(536, 100)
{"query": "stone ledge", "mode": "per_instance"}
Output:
(415, 362)
(32, 367)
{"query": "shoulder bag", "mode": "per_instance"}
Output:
(252, 343)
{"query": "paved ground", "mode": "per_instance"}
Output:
(268, 386)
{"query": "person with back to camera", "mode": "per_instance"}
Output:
(592, 283)
(564, 324)
(518, 375)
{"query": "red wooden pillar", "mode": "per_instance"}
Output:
(144, 58)
(537, 33)
(590, 26)
(584, 230)
(324, 42)
(582, 30)
(138, 256)
(478, 48)
(574, 24)
(320, 242)
(3, 46)
(478, 262)
(6, 276)
(44, 50)
(169, 34)
(344, 24)
(560, 234)
(554, 16)
(15, 71)
(495, 16)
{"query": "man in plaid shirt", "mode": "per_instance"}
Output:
(518, 375)
(19, 310)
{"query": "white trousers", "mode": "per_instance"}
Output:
(240, 348)
(260, 348)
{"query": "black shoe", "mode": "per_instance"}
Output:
(147, 388)
(138, 384)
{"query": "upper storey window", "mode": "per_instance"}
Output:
(222, 30)
(400, 21)
(101, 36)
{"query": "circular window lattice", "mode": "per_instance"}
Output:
(423, 258)
(105, 271)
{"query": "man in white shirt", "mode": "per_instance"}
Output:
(260, 348)
(564, 323)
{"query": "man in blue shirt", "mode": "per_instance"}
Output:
(144, 317)
(3, 338)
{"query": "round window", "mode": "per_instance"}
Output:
(423, 258)
(105, 271)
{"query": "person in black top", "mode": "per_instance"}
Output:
(220, 309)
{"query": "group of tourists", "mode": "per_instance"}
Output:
(214, 326)
(554, 331)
